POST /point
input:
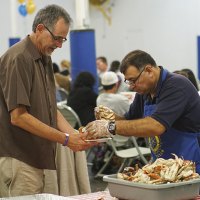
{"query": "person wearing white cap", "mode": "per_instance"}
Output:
(109, 98)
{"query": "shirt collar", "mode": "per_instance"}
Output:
(160, 81)
(159, 85)
(32, 48)
(34, 51)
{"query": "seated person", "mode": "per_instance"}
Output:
(65, 65)
(82, 97)
(114, 67)
(62, 81)
(109, 97)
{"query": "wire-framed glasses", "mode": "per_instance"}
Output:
(56, 38)
(133, 81)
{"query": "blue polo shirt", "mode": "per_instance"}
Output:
(178, 104)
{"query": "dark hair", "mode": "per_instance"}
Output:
(49, 15)
(181, 73)
(137, 59)
(114, 67)
(84, 79)
(109, 87)
(191, 77)
(103, 59)
(55, 68)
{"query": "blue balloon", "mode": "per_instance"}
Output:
(22, 10)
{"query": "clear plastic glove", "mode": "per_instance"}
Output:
(97, 129)
(103, 112)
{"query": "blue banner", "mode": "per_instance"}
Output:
(12, 41)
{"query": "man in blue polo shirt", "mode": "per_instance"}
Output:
(165, 110)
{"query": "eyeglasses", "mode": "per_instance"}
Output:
(56, 38)
(133, 81)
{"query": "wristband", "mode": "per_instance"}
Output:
(66, 139)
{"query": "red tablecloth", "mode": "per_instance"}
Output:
(103, 195)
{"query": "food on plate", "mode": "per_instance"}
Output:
(98, 139)
(81, 129)
(161, 171)
(103, 112)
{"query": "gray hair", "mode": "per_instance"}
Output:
(49, 15)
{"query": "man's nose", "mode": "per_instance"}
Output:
(59, 44)
(132, 87)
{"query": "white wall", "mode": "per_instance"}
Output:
(168, 30)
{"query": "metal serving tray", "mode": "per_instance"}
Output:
(127, 190)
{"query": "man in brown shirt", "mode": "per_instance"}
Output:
(29, 120)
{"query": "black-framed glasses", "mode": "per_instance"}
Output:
(56, 38)
(133, 81)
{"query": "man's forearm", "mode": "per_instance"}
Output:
(21, 118)
(117, 117)
(62, 124)
(140, 128)
(36, 127)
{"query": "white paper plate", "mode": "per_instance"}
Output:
(99, 140)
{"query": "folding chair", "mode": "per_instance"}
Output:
(119, 142)
(63, 94)
(69, 114)
(125, 154)
(142, 151)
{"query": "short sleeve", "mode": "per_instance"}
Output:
(136, 109)
(172, 103)
(16, 81)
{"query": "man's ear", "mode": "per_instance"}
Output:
(40, 27)
(148, 68)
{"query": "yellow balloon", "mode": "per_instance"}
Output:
(30, 7)
(21, 1)
(30, 2)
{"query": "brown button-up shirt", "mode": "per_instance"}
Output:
(26, 78)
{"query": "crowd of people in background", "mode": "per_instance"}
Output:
(81, 96)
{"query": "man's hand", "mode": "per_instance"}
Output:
(97, 129)
(76, 142)
(103, 112)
